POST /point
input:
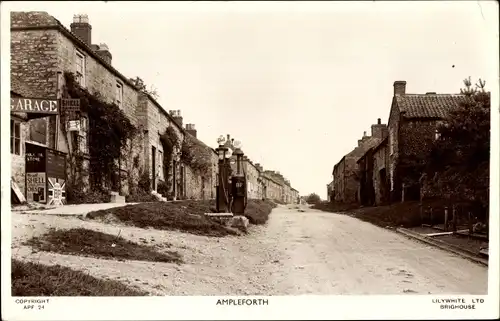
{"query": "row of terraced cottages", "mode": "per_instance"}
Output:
(55, 73)
(376, 171)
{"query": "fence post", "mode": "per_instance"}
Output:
(431, 223)
(454, 219)
(421, 213)
(446, 218)
(471, 230)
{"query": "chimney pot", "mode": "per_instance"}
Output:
(103, 51)
(399, 87)
(379, 121)
(82, 29)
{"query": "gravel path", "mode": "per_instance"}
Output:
(295, 253)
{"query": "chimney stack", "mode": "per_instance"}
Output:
(103, 51)
(176, 115)
(190, 128)
(379, 130)
(399, 87)
(81, 28)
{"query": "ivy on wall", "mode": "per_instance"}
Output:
(170, 142)
(109, 131)
(196, 156)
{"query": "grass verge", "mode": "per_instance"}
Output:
(85, 242)
(32, 279)
(186, 216)
(399, 214)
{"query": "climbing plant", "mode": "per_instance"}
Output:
(109, 131)
(170, 141)
(195, 155)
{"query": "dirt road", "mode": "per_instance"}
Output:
(294, 253)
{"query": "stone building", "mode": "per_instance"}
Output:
(346, 174)
(252, 172)
(380, 178)
(43, 51)
(366, 191)
(412, 126)
(329, 191)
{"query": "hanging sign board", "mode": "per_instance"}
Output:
(34, 105)
(70, 104)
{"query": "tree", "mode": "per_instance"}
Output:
(313, 198)
(139, 84)
(458, 164)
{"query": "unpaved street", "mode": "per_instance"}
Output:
(294, 253)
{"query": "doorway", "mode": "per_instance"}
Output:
(153, 164)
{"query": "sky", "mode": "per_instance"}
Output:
(297, 83)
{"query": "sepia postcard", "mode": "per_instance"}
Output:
(250, 160)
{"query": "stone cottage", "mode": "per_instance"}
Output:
(412, 125)
(366, 191)
(345, 172)
(43, 53)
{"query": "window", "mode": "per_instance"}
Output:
(119, 94)
(437, 134)
(80, 68)
(15, 137)
(160, 165)
(38, 130)
(83, 134)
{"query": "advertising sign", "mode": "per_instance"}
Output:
(34, 105)
(36, 187)
(57, 191)
(73, 126)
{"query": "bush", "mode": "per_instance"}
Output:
(74, 195)
(257, 211)
(140, 196)
(313, 198)
(32, 279)
(162, 188)
(144, 183)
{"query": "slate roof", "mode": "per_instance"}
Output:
(428, 105)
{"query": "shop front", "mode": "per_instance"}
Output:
(38, 172)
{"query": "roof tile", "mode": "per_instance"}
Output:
(428, 105)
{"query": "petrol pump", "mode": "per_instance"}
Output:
(238, 183)
(223, 188)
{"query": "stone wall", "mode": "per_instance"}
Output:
(18, 161)
(393, 151)
(252, 174)
(36, 57)
(380, 174)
